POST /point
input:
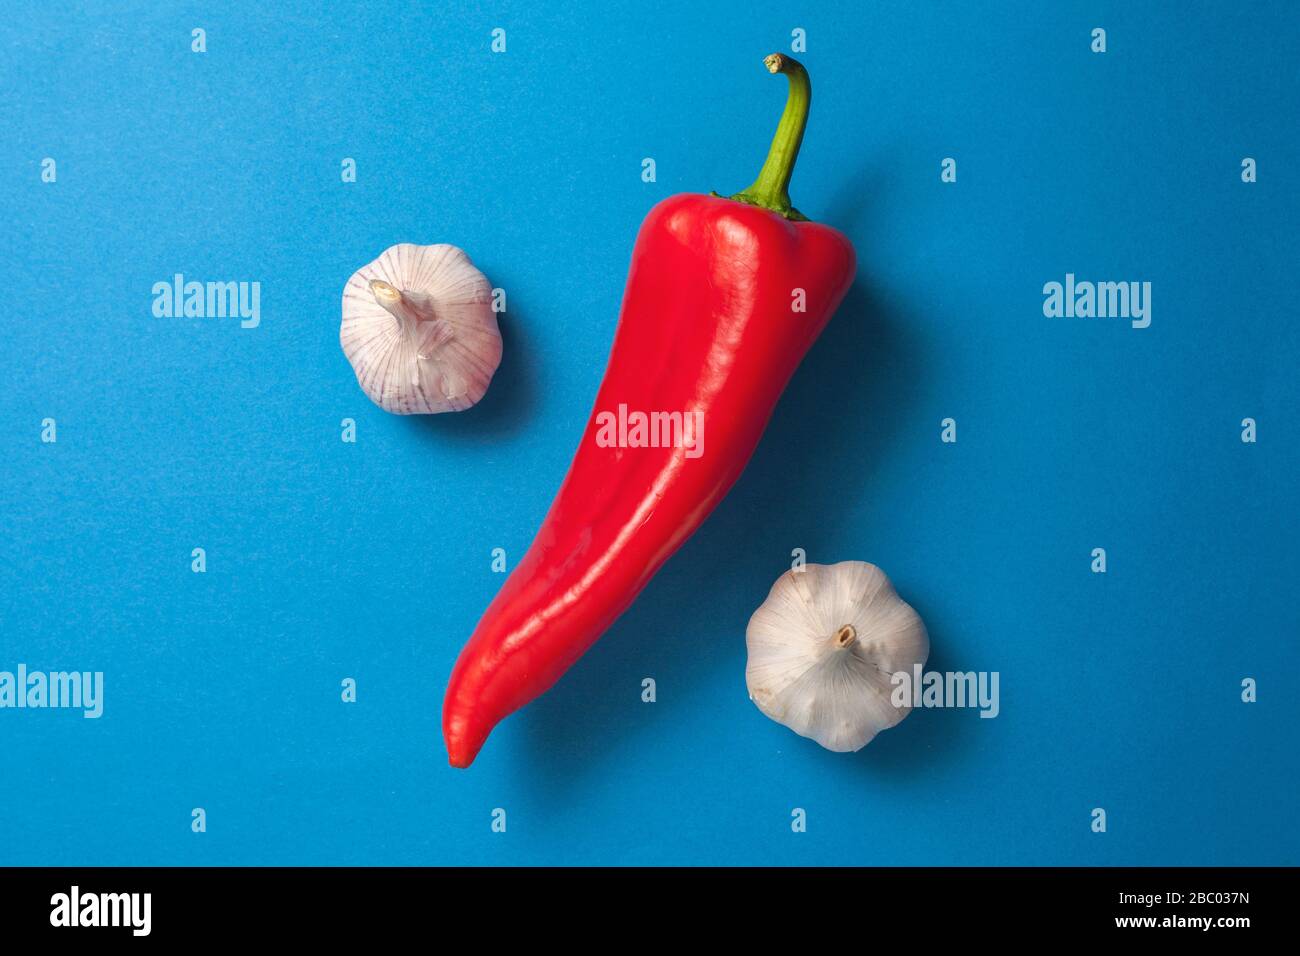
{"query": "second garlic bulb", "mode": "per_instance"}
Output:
(823, 648)
(419, 330)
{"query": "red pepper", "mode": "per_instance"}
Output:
(723, 298)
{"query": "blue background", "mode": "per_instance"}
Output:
(328, 560)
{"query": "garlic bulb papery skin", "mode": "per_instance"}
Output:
(419, 330)
(822, 650)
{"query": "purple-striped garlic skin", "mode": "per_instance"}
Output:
(419, 330)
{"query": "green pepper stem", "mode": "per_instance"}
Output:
(771, 189)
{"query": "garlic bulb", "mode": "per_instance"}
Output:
(822, 650)
(419, 330)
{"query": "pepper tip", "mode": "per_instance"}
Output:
(462, 747)
(460, 757)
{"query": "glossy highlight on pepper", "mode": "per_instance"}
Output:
(709, 327)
